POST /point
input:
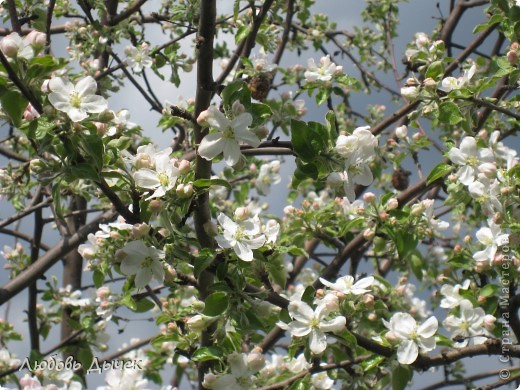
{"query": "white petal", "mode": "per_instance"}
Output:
(158, 271)
(211, 146)
(427, 344)
(407, 352)
(243, 251)
(468, 146)
(300, 311)
(86, 86)
(456, 156)
(231, 152)
(143, 277)
(317, 341)
(299, 329)
(146, 178)
(223, 242)
(334, 325)
(428, 328)
(94, 104)
(60, 85)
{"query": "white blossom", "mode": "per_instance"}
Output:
(312, 323)
(243, 236)
(324, 72)
(142, 261)
(452, 298)
(347, 285)
(228, 135)
(321, 381)
(413, 338)
(468, 157)
(138, 58)
(450, 83)
(468, 326)
(492, 237)
(269, 174)
(161, 179)
(76, 100)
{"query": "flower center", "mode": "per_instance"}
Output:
(147, 262)
(472, 160)
(229, 133)
(75, 99)
(163, 179)
(314, 323)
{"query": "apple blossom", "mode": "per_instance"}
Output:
(143, 261)
(242, 236)
(452, 298)
(76, 100)
(138, 58)
(412, 337)
(492, 237)
(347, 285)
(324, 73)
(468, 326)
(161, 179)
(228, 135)
(312, 323)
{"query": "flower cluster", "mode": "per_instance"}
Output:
(357, 150)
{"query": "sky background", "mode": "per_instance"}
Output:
(415, 16)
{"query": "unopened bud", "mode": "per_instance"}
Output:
(369, 234)
(392, 204)
(401, 132)
(184, 167)
(369, 197)
(241, 213)
(155, 205)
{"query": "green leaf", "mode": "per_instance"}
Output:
(93, 146)
(309, 295)
(372, 362)
(43, 66)
(14, 104)
(129, 302)
(205, 183)
(260, 112)
(216, 304)
(439, 171)
(98, 277)
(435, 70)
(207, 353)
(308, 140)
(416, 264)
(488, 290)
(401, 376)
(144, 305)
(203, 261)
(450, 114)
(83, 171)
(322, 96)
(236, 90)
(85, 356)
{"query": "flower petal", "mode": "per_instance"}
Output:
(407, 352)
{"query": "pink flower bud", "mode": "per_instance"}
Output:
(30, 113)
(369, 197)
(103, 292)
(241, 213)
(489, 322)
(184, 167)
(391, 337)
(392, 204)
(36, 39)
